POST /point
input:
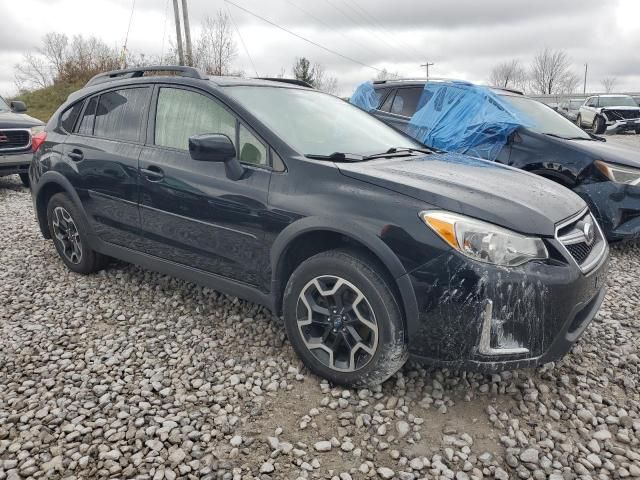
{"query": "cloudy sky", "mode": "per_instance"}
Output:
(463, 38)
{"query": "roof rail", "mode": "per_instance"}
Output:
(136, 72)
(419, 79)
(292, 81)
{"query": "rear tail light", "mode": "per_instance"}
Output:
(37, 140)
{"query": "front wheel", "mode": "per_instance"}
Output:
(343, 319)
(599, 125)
(579, 121)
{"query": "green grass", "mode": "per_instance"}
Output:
(42, 103)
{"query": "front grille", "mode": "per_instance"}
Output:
(583, 240)
(621, 114)
(14, 140)
(580, 251)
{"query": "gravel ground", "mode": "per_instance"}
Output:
(132, 374)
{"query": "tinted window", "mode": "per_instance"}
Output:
(69, 117)
(86, 124)
(382, 94)
(120, 114)
(251, 149)
(182, 113)
(406, 101)
(3, 105)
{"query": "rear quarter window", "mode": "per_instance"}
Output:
(69, 117)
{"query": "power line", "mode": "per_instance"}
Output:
(126, 37)
(164, 30)
(303, 38)
(242, 41)
(382, 27)
(322, 22)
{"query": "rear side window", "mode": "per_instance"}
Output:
(86, 124)
(69, 117)
(386, 106)
(406, 101)
(382, 95)
(183, 113)
(120, 114)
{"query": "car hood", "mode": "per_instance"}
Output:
(608, 152)
(18, 120)
(621, 107)
(481, 189)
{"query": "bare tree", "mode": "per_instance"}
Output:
(216, 48)
(32, 72)
(385, 74)
(609, 84)
(509, 74)
(551, 73)
(323, 81)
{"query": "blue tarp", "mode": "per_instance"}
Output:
(365, 97)
(456, 117)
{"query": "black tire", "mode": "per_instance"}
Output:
(24, 178)
(362, 272)
(599, 125)
(88, 261)
(579, 121)
(637, 130)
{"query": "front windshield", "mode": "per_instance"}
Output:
(543, 119)
(3, 105)
(315, 123)
(621, 101)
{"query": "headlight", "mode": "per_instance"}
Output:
(619, 173)
(484, 241)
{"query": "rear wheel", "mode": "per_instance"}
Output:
(343, 319)
(24, 178)
(598, 125)
(579, 121)
(70, 232)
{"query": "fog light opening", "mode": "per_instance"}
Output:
(491, 327)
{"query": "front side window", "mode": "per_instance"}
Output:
(182, 113)
(251, 149)
(120, 114)
(386, 106)
(406, 101)
(4, 106)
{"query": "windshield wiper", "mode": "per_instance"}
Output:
(337, 157)
(567, 138)
(399, 152)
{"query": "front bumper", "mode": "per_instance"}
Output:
(619, 126)
(475, 316)
(13, 163)
(616, 206)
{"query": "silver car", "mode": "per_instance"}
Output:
(570, 108)
(610, 114)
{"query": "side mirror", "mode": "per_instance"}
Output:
(215, 147)
(18, 107)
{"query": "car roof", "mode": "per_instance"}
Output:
(417, 82)
(613, 95)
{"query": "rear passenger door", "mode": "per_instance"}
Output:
(103, 151)
(399, 107)
(191, 213)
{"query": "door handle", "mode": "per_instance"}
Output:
(153, 173)
(76, 155)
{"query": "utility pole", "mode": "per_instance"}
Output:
(176, 12)
(584, 88)
(427, 65)
(187, 32)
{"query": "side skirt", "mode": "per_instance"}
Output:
(206, 279)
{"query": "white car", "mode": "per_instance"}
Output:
(610, 114)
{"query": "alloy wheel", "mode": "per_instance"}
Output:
(337, 323)
(66, 233)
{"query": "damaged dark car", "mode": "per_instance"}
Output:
(533, 137)
(370, 246)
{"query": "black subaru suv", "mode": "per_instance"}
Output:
(369, 245)
(18, 136)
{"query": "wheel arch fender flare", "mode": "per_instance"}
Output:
(355, 232)
(46, 181)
